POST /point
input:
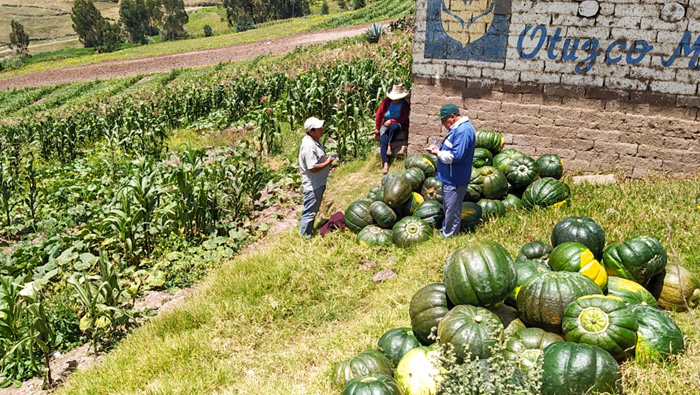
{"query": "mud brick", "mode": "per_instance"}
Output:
(564, 90)
(659, 99)
(521, 87)
(606, 94)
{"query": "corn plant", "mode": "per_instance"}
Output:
(31, 199)
(270, 132)
(7, 190)
(101, 299)
(25, 329)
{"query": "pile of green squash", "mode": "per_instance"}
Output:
(407, 206)
(576, 308)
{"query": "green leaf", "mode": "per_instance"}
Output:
(156, 279)
(67, 256)
(87, 260)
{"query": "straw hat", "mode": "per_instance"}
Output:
(397, 92)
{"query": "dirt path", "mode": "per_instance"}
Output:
(165, 63)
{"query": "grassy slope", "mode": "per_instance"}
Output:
(275, 320)
(271, 30)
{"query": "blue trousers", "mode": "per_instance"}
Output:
(386, 138)
(452, 198)
(312, 203)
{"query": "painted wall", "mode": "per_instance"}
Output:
(568, 77)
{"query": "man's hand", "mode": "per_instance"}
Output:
(434, 150)
(387, 123)
(376, 131)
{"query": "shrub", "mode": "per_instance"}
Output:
(324, 8)
(374, 33)
(208, 32)
(357, 4)
(244, 23)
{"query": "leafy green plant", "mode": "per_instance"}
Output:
(25, 329)
(374, 33)
(7, 190)
(101, 299)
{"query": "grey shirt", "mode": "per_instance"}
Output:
(311, 153)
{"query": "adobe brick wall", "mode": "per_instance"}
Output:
(634, 111)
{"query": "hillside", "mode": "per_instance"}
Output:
(48, 23)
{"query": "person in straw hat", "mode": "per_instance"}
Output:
(392, 116)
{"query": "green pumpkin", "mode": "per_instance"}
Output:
(372, 384)
(514, 326)
(574, 369)
(422, 162)
(495, 182)
(490, 140)
(658, 336)
(526, 346)
(545, 192)
(480, 274)
(534, 250)
(522, 171)
(432, 189)
(415, 177)
(397, 191)
(395, 343)
(427, 308)
(580, 229)
(676, 288)
(431, 211)
(389, 176)
(374, 236)
(470, 331)
(571, 256)
(382, 214)
(366, 362)
(629, 291)
(475, 186)
(551, 165)
(410, 206)
(639, 258)
(411, 230)
(503, 159)
(482, 157)
(357, 215)
(470, 216)
(543, 300)
(373, 192)
(417, 374)
(512, 202)
(525, 269)
(603, 321)
(491, 208)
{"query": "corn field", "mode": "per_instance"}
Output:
(96, 206)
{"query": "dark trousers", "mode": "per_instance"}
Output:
(386, 138)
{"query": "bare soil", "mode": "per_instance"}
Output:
(165, 63)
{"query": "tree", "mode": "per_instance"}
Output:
(324, 8)
(111, 37)
(87, 22)
(133, 14)
(175, 19)
(356, 4)
(155, 15)
(341, 4)
(19, 39)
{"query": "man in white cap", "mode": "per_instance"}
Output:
(315, 166)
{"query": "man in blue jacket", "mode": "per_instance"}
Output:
(454, 166)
